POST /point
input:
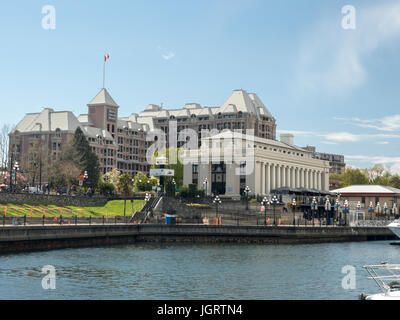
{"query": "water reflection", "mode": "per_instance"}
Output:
(195, 271)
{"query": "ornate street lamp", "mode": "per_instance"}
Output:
(265, 202)
(247, 191)
(328, 208)
(371, 208)
(314, 207)
(274, 202)
(217, 202)
(205, 183)
(294, 203)
(336, 208)
(394, 209)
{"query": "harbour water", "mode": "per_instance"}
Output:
(196, 271)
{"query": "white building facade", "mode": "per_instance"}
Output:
(261, 164)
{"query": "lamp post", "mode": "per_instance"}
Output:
(378, 208)
(174, 184)
(385, 207)
(16, 169)
(314, 206)
(328, 208)
(205, 183)
(294, 203)
(247, 191)
(217, 201)
(265, 202)
(394, 210)
(336, 208)
(274, 202)
(40, 155)
(346, 210)
(371, 208)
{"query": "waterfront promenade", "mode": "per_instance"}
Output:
(37, 237)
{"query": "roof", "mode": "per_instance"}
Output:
(238, 101)
(103, 98)
(50, 120)
(227, 134)
(367, 189)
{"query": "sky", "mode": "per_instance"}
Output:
(333, 87)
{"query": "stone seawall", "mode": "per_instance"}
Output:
(34, 238)
(51, 199)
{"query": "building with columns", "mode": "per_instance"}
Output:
(262, 164)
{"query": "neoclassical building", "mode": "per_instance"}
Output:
(262, 164)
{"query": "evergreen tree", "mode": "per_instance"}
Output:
(88, 160)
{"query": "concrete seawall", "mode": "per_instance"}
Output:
(34, 238)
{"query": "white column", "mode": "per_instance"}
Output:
(267, 178)
(302, 183)
(257, 186)
(262, 174)
(306, 178)
(284, 184)
(273, 186)
(293, 177)
(319, 180)
(297, 177)
(315, 179)
(278, 176)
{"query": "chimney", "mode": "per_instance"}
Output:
(287, 138)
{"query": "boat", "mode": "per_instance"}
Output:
(387, 277)
(395, 227)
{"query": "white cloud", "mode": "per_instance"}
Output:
(332, 59)
(168, 56)
(389, 123)
(333, 137)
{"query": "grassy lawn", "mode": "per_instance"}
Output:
(110, 209)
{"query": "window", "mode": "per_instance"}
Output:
(195, 169)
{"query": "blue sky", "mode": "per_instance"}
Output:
(333, 88)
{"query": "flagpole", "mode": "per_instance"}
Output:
(104, 72)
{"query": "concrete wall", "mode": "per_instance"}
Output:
(33, 238)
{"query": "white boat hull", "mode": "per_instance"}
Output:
(395, 227)
(383, 296)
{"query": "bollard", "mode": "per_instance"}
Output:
(90, 220)
(103, 220)
(25, 220)
(44, 217)
(4, 220)
(115, 219)
(76, 219)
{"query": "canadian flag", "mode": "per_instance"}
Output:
(106, 57)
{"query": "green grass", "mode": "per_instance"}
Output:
(110, 209)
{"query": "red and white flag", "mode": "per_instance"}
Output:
(106, 57)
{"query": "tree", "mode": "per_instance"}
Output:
(111, 176)
(4, 145)
(395, 181)
(67, 169)
(125, 187)
(88, 159)
(143, 183)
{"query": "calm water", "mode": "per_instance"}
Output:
(195, 271)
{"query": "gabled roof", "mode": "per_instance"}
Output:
(103, 98)
(50, 121)
(368, 189)
(241, 100)
(260, 106)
